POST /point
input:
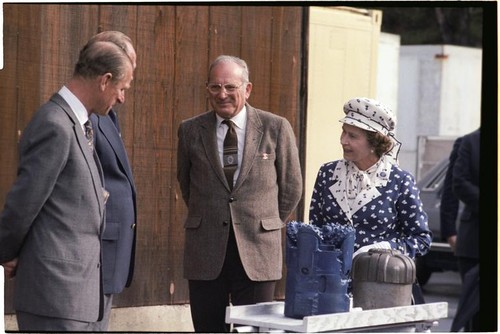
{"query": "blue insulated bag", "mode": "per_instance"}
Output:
(318, 262)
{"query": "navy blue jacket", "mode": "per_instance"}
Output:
(466, 188)
(450, 204)
(118, 246)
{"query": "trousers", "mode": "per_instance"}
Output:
(209, 299)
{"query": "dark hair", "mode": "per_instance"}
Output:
(381, 144)
(100, 57)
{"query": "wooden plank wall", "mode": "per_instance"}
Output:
(175, 45)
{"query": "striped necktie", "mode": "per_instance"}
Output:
(89, 133)
(230, 153)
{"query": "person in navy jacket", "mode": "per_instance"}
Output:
(367, 189)
(450, 205)
(118, 240)
(465, 185)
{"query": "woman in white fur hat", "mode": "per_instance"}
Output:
(368, 189)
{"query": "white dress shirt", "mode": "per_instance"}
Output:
(76, 106)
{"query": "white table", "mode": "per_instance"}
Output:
(266, 317)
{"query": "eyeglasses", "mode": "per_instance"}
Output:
(217, 88)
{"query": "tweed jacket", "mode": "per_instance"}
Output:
(266, 192)
(53, 219)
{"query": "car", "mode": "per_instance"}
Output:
(440, 256)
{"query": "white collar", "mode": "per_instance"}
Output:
(75, 104)
(239, 120)
(378, 178)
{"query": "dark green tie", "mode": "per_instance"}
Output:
(89, 133)
(230, 155)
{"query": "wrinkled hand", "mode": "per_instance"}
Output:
(452, 241)
(10, 268)
(364, 249)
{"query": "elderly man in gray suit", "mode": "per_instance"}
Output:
(240, 181)
(51, 225)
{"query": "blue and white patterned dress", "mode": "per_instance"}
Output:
(382, 203)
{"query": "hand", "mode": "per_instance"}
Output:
(452, 241)
(10, 268)
(380, 245)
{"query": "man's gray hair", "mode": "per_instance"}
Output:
(231, 59)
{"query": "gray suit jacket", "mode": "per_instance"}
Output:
(266, 192)
(53, 219)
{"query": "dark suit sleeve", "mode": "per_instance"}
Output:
(449, 202)
(466, 172)
(183, 169)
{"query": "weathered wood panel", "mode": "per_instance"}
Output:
(224, 31)
(151, 143)
(64, 30)
(174, 45)
(256, 49)
(9, 95)
(191, 63)
(9, 92)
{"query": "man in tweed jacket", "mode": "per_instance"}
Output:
(233, 249)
